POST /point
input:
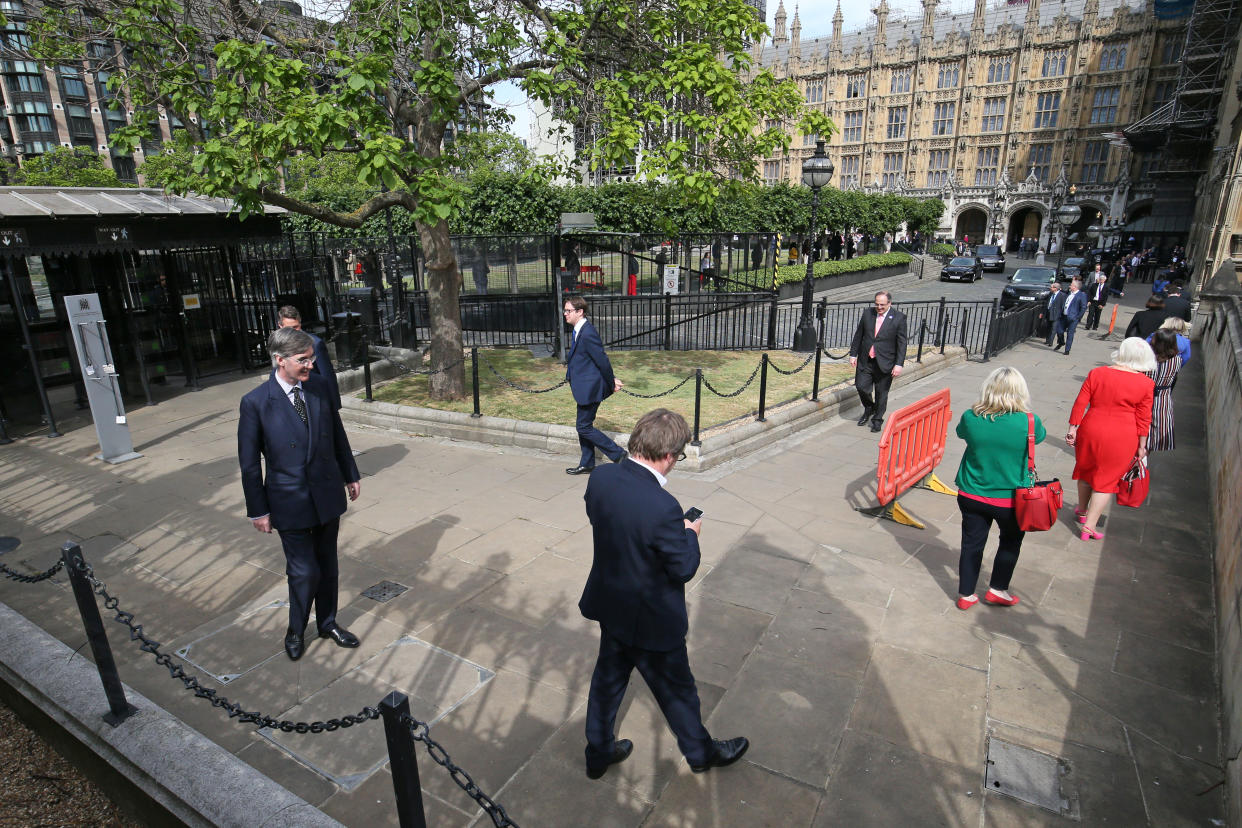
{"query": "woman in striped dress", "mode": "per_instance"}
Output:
(1168, 362)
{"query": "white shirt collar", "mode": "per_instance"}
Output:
(661, 479)
(578, 325)
(286, 387)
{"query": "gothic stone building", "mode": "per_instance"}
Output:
(997, 112)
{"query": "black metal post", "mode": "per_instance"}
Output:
(698, 402)
(987, 343)
(965, 325)
(668, 322)
(366, 359)
(772, 321)
(804, 339)
(474, 378)
(5, 439)
(941, 334)
(119, 708)
(822, 314)
(402, 762)
(922, 333)
(763, 387)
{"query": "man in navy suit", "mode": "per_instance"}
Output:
(877, 353)
(590, 379)
(1075, 309)
(1054, 306)
(291, 422)
(289, 317)
(645, 552)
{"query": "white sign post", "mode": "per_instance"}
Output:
(672, 279)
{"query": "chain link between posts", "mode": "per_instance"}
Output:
(32, 579)
(421, 732)
(521, 388)
(661, 394)
(745, 385)
(793, 371)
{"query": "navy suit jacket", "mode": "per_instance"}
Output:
(644, 555)
(323, 367)
(587, 368)
(307, 468)
(1075, 306)
(1056, 309)
(890, 344)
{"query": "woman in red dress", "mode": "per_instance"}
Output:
(1108, 428)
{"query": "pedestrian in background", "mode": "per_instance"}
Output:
(1168, 363)
(290, 317)
(1054, 307)
(994, 464)
(1108, 428)
(1146, 322)
(590, 377)
(1181, 330)
(1176, 304)
(1075, 309)
(1097, 298)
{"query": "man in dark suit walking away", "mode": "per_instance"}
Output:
(291, 423)
(1054, 306)
(645, 552)
(289, 317)
(1176, 304)
(877, 354)
(591, 380)
(1075, 309)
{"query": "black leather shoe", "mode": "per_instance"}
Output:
(342, 636)
(723, 753)
(876, 425)
(620, 752)
(580, 470)
(293, 645)
(866, 415)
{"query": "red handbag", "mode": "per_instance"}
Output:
(1135, 484)
(1036, 504)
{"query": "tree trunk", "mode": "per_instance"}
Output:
(448, 377)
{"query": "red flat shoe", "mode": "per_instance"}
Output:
(967, 603)
(993, 598)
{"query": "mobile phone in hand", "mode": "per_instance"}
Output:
(694, 513)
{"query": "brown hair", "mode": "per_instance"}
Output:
(576, 302)
(658, 434)
(288, 312)
(1156, 301)
(1164, 343)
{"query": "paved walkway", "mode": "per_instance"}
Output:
(829, 638)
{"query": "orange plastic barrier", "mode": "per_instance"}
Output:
(1112, 322)
(911, 446)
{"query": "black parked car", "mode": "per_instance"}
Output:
(1073, 268)
(992, 256)
(962, 269)
(1028, 285)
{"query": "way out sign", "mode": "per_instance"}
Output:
(672, 278)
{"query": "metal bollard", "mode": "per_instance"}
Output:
(366, 361)
(763, 387)
(698, 402)
(402, 762)
(922, 333)
(120, 708)
(940, 332)
(474, 378)
(821, 313)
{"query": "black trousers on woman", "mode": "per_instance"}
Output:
(977, 519)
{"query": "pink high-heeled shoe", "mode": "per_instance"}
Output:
(1081, 518)
(1090, 534)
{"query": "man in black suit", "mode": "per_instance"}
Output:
(291, 423)
(1177, 305)
(1054, 306)
(877, 354)
(1097, 298)
(289, 317)
(591, 380)
(645, 552)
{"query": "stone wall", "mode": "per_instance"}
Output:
(1220, 329)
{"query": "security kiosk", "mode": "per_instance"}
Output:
(103, 390)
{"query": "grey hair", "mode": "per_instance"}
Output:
(1134, 353)
(285, 342)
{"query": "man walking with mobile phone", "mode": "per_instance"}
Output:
(645, 552)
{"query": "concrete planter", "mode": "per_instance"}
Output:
(794, 290)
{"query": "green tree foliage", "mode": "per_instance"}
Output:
(65, 167)
(666, 83)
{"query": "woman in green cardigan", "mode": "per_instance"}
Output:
(995, 430)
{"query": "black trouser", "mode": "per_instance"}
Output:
(977, 520)
(872, 384)
(310, 565)
(1094, 309)
(1053, 325)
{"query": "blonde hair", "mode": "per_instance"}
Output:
(1003, 392)
(1134, 353)
(1176, 324)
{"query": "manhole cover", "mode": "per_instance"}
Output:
(1032, 777)
(384, 591)
(8, 544)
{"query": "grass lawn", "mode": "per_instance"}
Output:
(643, 372)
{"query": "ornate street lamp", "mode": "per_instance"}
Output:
(816, 173)
(1066, 214)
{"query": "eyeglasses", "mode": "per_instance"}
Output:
(569, 310)
(303, 361)
(681, 456)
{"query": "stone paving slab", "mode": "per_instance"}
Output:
(828, 637)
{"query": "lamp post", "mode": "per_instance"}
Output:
(816, 173)
(1066, 214)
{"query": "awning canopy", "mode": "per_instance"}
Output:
(1159, 225)
(109, 203)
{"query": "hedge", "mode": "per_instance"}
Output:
(791, 274)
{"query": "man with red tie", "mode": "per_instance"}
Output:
(878, 353)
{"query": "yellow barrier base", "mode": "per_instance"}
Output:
(934, 484)
(893, 512)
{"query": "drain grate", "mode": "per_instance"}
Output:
(384, 591)
(1032, 777)
(8, 544)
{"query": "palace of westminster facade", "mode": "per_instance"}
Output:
(998, 113)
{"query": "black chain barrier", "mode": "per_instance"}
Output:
(31, 579)
(421, 732)
(517, 387)
(661, 394)
(824, 351)
(191, 683)
(405, 369)
(790, 373)
(753, 374)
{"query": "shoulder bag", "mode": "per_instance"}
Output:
(1036, 504)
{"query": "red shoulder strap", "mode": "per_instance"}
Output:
(1030, 441)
